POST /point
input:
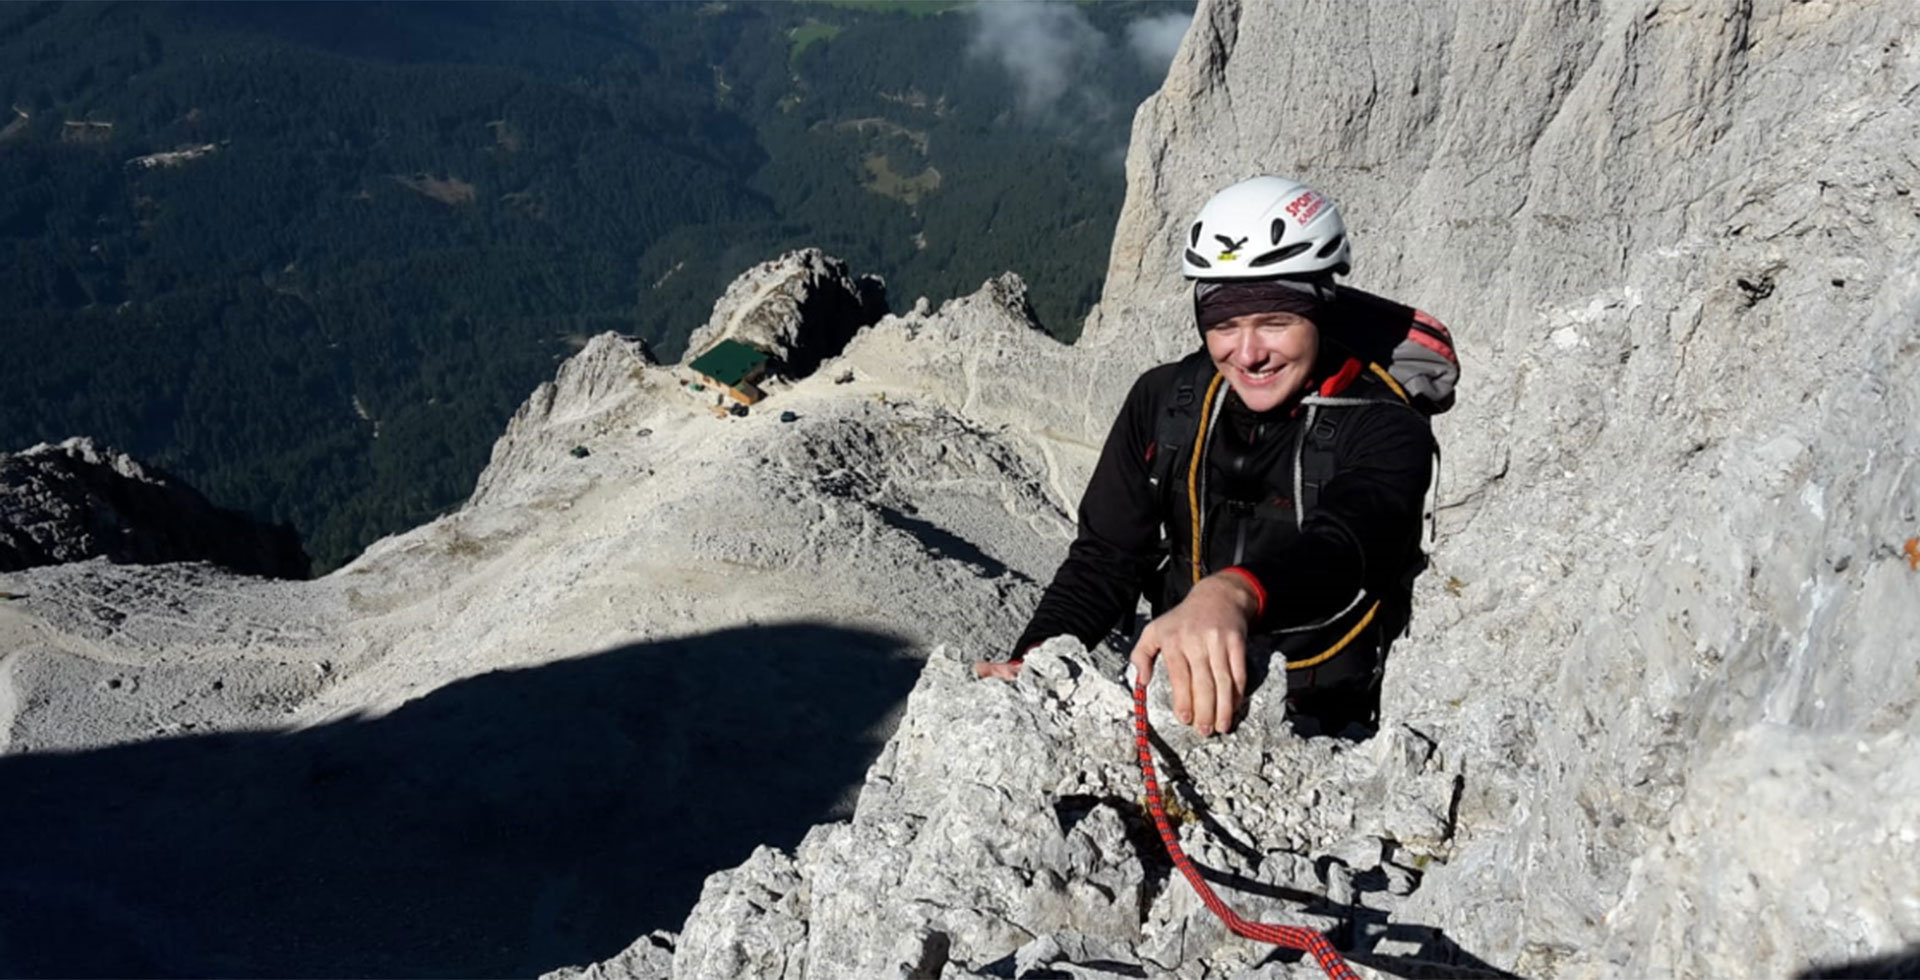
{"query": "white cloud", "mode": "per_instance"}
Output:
(1041, 45)
(1155, 39)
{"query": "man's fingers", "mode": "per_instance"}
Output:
(1004, 671)
(1143, 668)
(1225, 693)
(1204, 688)
(1221, 707)
(1237, 675)
(1144, 650)
(1177, 679)
(1144, 643)
(1237, 665)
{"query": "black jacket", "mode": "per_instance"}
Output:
(1363, 531)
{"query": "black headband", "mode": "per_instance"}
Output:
(1217, 302)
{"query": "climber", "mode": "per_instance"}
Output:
(1298, 529)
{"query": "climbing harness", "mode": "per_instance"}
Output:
(1286, 937)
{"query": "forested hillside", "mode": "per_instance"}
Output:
(310, 256)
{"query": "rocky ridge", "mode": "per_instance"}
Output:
(78, 500)
(801, 308)
(733, 606)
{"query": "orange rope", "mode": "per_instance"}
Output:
(1384, 375)
(1327, 654)
(1193, 475)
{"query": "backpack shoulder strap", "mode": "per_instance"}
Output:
(1177, 421)
(1316, 457)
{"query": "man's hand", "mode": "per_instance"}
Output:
(1205, 640)
(1005, 671)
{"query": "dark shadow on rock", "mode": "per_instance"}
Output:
(1346, 713)
(831, 317)
(504, 825)
(80, 500)
(1436, 958)
(942, 543)
(1901, 965)
(1008, 967)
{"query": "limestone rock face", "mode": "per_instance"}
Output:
(1668, 639)
(78, 500)
(983, 357)
(1676, 245)
(802, 308)
(1003, 830)
(602, 375)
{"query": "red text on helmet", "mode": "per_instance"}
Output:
(1304, 207)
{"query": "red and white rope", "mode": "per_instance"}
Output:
(1289, 937)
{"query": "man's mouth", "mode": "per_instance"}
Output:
(1260, 376)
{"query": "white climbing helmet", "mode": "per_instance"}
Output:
(1267, 228)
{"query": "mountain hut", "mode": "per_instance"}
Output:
(734, 366)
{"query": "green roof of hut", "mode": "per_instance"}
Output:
(729, 362)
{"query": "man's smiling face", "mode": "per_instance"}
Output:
(1266, 357)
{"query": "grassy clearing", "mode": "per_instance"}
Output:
(451, 191)
(884, 181)
(886, 127)
(809, 33)
(505, 136)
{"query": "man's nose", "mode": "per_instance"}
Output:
(1246, 346)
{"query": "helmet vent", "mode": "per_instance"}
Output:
(1194, 257)
(1193, 239)
(1280, 254)
(1279, 230)
(1333, 245)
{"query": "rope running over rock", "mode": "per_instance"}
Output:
(1288, 937)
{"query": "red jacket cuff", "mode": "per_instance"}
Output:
(1259, 591)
